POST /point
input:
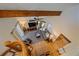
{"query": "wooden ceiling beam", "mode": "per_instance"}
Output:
(24, 13)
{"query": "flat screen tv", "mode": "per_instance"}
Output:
(32, 24)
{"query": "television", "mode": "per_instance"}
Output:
(32, 24)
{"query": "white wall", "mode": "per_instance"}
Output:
(6, 25)
(68, 24)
